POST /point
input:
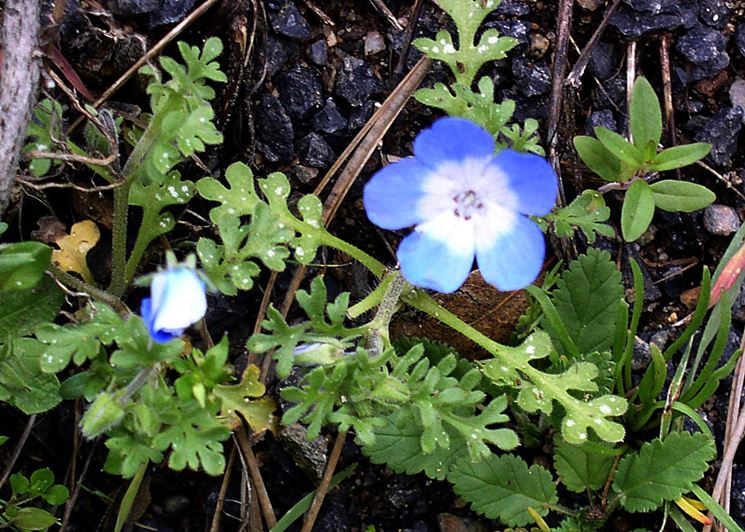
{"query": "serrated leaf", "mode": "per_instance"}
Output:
(645, 116)
(587, 298)
(74, 248)
(681, 196)
(397, 445)
(504, 487)
(21, 311)
(579, 468)
(598, 158)
(637, 210)
(620, 147)
(680, 156)
(662, 470)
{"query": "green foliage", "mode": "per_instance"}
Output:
(587, 298)
(232, 265)
(44, 131)
(17, 514)
(326, 322)
(21, 311)
(504, 487)
(581, 467)
(617, 160)
(662, 470)
(23, 264)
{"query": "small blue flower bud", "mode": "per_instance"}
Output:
(177, 300)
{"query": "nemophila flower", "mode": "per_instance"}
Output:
(465, 201)
(177, 299)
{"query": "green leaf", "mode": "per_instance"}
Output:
(662, 470)
(680, 156)
(504, 487)
(587, 298)
(598, 158)
(33, 519)
(41, 480)
(645, 116)
(397, 445)
(19, 484)
(22, 384)
(681, 196)
(22, 265)
(586, 212)
(56, 495)
(579, 468)
(620, 147)
(21, 311)
(637, 210)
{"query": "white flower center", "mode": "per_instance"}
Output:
(467, 203)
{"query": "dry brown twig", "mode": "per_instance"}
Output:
(323, 487)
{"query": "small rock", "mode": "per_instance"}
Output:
(310, 456)
(533, 78)
(603, 118)
(641, 354)
(721, 131)
(714, 13)
(603, 61)
(170, 12)
(304, 174)
(721, 220)
(356, 82)
(274, 130)
(314, 151)
(300, 91)
(512, 28)
(737, 93)
(175, 504)
(738, 494)
(660, 338)
(613, 93)
(539, 45)
(358, 117)
(374, 43)
(515, 8)
(288, 21)
(318, 52)
(633, 24)
(276, 55)
(706, 49)
(740, 38)
(690, 297)
(329, 119)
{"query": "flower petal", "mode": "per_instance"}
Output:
(513, 260)
(391, 196)
(452, 139)
(439, 254)
(146, 312)
(182, 300)
(532, 180)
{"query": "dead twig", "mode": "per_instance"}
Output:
(220, 503)
(256, 479)
(416, 12)
(323, 487)
(380, 5)
(574, 79)
(17, 451)
(20, 77)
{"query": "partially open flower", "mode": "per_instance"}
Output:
(465, 202)
(177, 299)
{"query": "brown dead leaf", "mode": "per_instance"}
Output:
(73, 249)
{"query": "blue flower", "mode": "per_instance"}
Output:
(177, 299)
(465, 202)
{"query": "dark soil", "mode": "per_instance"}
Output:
(299, 90)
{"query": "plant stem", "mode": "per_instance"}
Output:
(95, 293)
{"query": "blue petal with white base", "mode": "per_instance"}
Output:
(389, 197)
(466, 203)
(177, 300)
